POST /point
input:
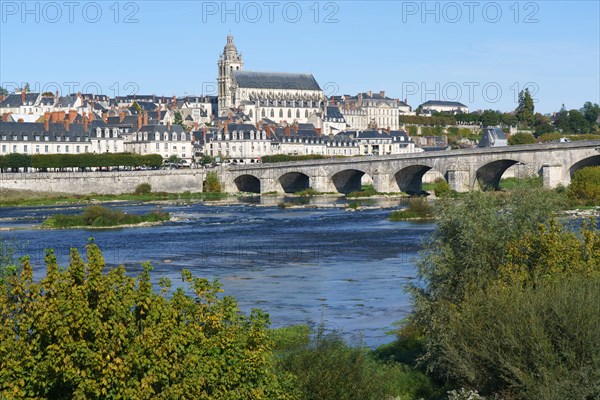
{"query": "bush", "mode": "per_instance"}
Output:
(328, 369)
(212, 184)
(143, 188)
(82, 333)
(521, 138)
(585, 184)
(418, 207)
(441, 188)
(541, 342)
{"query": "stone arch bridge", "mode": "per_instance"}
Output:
(465, 170)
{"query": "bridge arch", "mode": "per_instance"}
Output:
(592, 161)
(410, 179)
(292, 182)
(348, 180)
(488, 175)
(247, 183)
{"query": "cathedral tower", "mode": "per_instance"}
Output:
(229, 61)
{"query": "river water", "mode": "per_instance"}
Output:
(345, 269)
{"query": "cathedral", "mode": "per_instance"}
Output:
(277, 96)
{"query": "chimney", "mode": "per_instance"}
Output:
(66, 122)
(169, 125)
(85, 122)
(72, 115)
(5, 117)
(104, 115)
(359, 100)
(46, 124)
(121, 116)
(158, 114)
(145, 118)
(382, 93)
(286, 130)
(139, 120)
(92, 116)
(370, 93)
(226, 127)
(174, 101)
(56, 94)
(61, 115)
(23, 94)
(204, 134)
(196, 126)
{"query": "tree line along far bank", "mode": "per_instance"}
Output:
(82, 161)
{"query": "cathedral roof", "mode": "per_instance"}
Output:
(275, 80)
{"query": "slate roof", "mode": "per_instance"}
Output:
(14, 99)
(443, 103)
(493, 137)
(22, 129)
(275, 80)
(334, 115)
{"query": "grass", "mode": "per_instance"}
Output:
(23, 198)
(520, 183)
(309, 192)
(366, 191)
(418, 208)
(98, 216)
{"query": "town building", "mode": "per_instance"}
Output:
(281, 97)
(449, 107)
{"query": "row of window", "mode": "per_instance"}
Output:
(46, 138)
(144, 136)
(25, 149)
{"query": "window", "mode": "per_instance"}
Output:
(77, 149)
(66, 149)
(25, 148)
(14, 148)
(85, 149)
(157, 146)
(4, 148)
(37, 148)
(45, 148)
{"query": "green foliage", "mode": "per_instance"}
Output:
(285, 158)
(178, 120)
(328, 369)
(585, 184)
(521, 183)
(310, 192)
(521, 138)
(366, 191)
(466, 250)
(99, 216)
(8, 264)
(525, 109)
(143, 188)
(441, 188)
(84, 333)
(3, 91)
(418, 208)
(537, 342)
(83, 161)
(212, 184)
(413, 130)
(206, 160)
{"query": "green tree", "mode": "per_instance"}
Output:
(3, 91)
(521, 138)
(212, 184)
(591, 112)
(577, 123)
(525, 109)
(178, 120)
(490, 118)
(82, 333)
(137, 107)
(585, 184)
(465, 252)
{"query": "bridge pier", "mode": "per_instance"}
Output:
(269, 185)
(459, 179)
(552, 175)
(322, 183)
(382, 183)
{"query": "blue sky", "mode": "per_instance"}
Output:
(478, 53)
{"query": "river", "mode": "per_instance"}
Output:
(345, 269)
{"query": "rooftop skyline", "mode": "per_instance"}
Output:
(478, 53)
